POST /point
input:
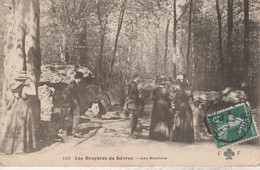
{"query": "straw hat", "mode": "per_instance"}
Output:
(22, 76)
(18, 83)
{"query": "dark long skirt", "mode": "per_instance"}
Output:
(159, 128)
(185, 131)
(18, 134)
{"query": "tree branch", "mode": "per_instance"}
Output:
(185, 9)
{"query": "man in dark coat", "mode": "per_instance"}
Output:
(71, 105)
(133, 102)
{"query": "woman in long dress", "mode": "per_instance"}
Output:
(18, 133)
(184, 131)
(159, 128)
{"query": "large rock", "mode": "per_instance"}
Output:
(228, 95)
(117, 96)
(203, 105)
(53, 82)
(104, 102)
(61, 73)
(88, 96)
(113, 115)
(205, 96)
(235, 96)
(93, 111)
(46, 97)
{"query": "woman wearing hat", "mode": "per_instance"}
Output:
(18, 133)
(184, 131)
(160, 124)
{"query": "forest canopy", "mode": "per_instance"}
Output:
(214, 42)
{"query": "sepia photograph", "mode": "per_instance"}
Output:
(129, 83)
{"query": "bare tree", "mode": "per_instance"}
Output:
(119, 26)
(246, 38)
(189, 39)
(174, 37)
(166, 47)
(102, 30)
(175, 22)
(220, 48)
(156, 54)
(229, 41)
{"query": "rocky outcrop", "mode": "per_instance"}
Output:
(93, 111)
(205, 103)
(46, 97)
(104, 102)
(228, 95)
(61, 73)
(113, 115)
(88, 96)
(53, 81)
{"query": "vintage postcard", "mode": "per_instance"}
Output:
(116, 83)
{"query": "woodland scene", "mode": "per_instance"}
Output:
(118, 72)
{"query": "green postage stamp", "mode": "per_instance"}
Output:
(232, 125)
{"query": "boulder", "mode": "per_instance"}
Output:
(113, 115)
(202, 105)
(235, 96)
(117, 96)
(203, 96)
(104, 102)
(93, 111)
(200, 129)
(46, 97)
(229, 95)
(61, 73)
(54, 80)
(88, 96)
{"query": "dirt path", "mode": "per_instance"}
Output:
(106, 138)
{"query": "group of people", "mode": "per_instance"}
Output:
(171, 117)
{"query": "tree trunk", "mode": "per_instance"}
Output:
(246, 38)
(221, 59)
(174, 39)
(174, 26)
(83, 45)
(189, 39)
(156, 50)
(120, 22)
(229, 42)
(174, 73)
(166, 48)
(102, 42)
(63, 49)
(22, 53)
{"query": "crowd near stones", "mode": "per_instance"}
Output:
(171, 115)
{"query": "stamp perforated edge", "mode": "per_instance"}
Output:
(253, 122)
